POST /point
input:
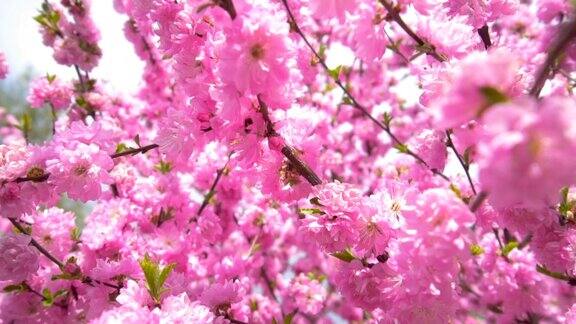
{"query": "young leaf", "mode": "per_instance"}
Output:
(155, 277)
(345, 255)
(493, 96)
(509, 247)
(15, 288)
(48, 297)
(476, 250)
(335, 73)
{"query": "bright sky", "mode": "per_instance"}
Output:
(22, 44)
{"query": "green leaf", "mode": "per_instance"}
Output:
(403, 148)
(456, 190)
(48, 297)
(67, 276)
(81, 101)
(387, 119)
(288, 318)
(310, 211)
(476, 250)
(509, 247)
(155, 276)
(163, 167)
(335, 72)
(60, 293)
(50, 77)
(253, 305)
(564, 207)
(345, 255)
(15, 288)
(75, 234)
(165, 273)
(322, 50)
(493, 96)
(26, 123)
(121, 147)
(347, 101)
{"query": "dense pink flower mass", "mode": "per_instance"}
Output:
(17, 259)
(297, 161)
(49, 90)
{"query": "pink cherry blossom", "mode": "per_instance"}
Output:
(303, 161)
(80, 171)
(46, 90)
(18, 259)
(534, 140)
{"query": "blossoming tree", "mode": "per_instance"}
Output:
(251, 180)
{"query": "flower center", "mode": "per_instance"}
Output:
(257, 52)
(81, 170)
(289, 175)
(35, 173)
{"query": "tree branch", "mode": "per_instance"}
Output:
(564, 38)
(429, 49)
(484, 33)
(355, 103)
(289, 152)
(212, 190)
(135, 151)
(464, 164)
(52, 258)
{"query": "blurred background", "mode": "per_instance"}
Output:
(119, 69)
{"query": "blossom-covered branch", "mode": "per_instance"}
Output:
(356, 104)
(566, 35)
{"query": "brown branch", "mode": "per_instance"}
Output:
(228, 6)
(52, 258)
(484, 33)
(37, 245)
(354, 102)
(212, 190)
(269, 284)
(289, 152)
(463, 163)
(566, 35)
(429, 49)
(27, 288)
(478, 200)
(135, 151)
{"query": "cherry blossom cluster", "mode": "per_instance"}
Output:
(298, 161)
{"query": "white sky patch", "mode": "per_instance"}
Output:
(20, 39)
(338, 54)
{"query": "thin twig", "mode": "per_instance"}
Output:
(463, 163)
(428, 48)
(560, 44)
(478, 200)
(52, 258)
(134, 151)
(269, 284)
(353, 100)
(212, 190)
(37, 245)
(289, 152)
